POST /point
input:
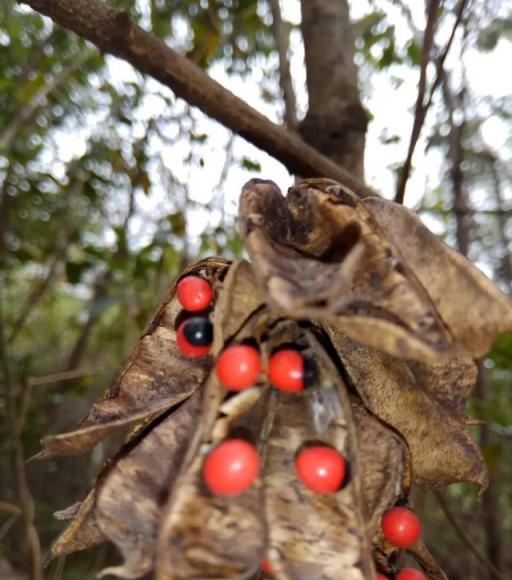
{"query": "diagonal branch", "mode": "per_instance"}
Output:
(420, 111)
(114, 32)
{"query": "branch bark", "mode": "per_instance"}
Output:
(39, 292)
(490, 511)
(336, 120)
(285, 78)
(460, 196)
(421, 106)
(114, 32)
(420, 110)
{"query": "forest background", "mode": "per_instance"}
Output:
(110, 184)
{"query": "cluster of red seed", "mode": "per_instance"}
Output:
(233, 466)
(195, 334)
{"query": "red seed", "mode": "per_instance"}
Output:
(231, 467)
(266, 567)
(286, 370)
(186, 347)
(401, 527)
(238, 367)
(194, 293)
(321, 468)
(381, 577)
(410, 574)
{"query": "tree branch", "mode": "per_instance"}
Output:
(19, 473)
(39, 292)
(285, 77)
(466, 540)
(114, 32)
(420, 111)
(25, 113)
(336, 120)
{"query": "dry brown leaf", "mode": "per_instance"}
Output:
(82, 532)
(320, 254)
(385, 466)
(238, 300)
(130, 496)
(155, 378)
(441, 446)
(475, 310)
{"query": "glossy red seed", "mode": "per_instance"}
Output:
(410, 574)
(286, 370)
(266, 567)
(194, 293)
(321, 468)
(187, 348)
(231, 467)
(238, 367)
(401, 527)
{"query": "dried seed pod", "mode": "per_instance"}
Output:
(319, 253)
(474, 308)
(155, 378)
(347, 287)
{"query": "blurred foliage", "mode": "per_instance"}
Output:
(99, 210)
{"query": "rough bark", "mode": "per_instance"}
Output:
(114, 32)
(336, 120)
(490, 511)
(460, 196)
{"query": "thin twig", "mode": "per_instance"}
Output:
(11, 508)
(38, 293)
(285, 78)
(420, 111)
(466, 540)
(442, 57)
(506, 212)
(9, 133)
(66, 376)
(25, 499)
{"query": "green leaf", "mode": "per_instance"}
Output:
(250, 165)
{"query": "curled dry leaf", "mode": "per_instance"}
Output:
(441, 446)
(130, 496)
(319, 253)
(385, 466)
(83, 531)
(474, 308)
(155, 378)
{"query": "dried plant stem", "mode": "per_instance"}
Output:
(466, 540)
(422, 105)
(285, 78)
(25, 499)
(420, 111)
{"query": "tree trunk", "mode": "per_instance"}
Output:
(336, 121)
(490, 511)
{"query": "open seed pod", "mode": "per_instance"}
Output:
(385, 369)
